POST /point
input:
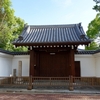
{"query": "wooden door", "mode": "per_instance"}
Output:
(77, 68)
(54, 65)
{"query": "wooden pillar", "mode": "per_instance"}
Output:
(72, 63)
(32, 62)
(20, 68)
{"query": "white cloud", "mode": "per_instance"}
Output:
(63, 3)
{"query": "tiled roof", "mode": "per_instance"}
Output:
(27, 53)
(52, 34)
(97, 51)
(6, 51)
(20, 53)
(86, 52)
(13, 53)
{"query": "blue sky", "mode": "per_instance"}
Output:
(49, 12)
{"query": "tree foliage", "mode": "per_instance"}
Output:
(94, 27)
(10, 26)
(97, 6)
(92, 46)
(93, 32)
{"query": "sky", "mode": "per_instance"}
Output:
(54, 12)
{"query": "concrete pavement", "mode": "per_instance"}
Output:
(80, 91)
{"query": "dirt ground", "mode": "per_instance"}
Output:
(16, 96)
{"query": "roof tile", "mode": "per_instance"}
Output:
(53, 34)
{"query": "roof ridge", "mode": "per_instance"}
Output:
(59, 25)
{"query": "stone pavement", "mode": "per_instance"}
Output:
(65, 96)
(88, 90)
(49, 94)
(53, 96)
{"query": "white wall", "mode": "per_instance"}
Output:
(25, 64)
(90, 64)
(97, 63)
(5, 64)
(87, 65)
(87, 62)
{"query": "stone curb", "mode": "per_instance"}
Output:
(40, 91)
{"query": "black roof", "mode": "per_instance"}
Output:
(52, 34)
(27, 53)
(6, 51)
(13, 53)
(86, 52)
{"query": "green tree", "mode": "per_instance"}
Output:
(97, 6)
(92, 46)
(10, 26)
(93, 32)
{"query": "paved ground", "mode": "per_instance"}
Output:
(88, 93)
(87, 90)
(16, 96)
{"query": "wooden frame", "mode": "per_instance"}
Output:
(35, 60)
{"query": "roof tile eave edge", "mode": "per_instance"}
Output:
(52, 43)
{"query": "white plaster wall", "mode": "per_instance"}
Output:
(25, 64)
(90, 64)
(5, 64)
(97, 59)
(87, 65)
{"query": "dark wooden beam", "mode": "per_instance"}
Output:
(72, 63)
(53, 49)
(32, 62)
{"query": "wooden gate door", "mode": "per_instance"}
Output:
(77, 68)
(54, 64)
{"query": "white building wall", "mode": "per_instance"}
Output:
(5, 64)
(90, 64)
(97, 59)
(87, 62)
(25, 64)
(87, 65)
